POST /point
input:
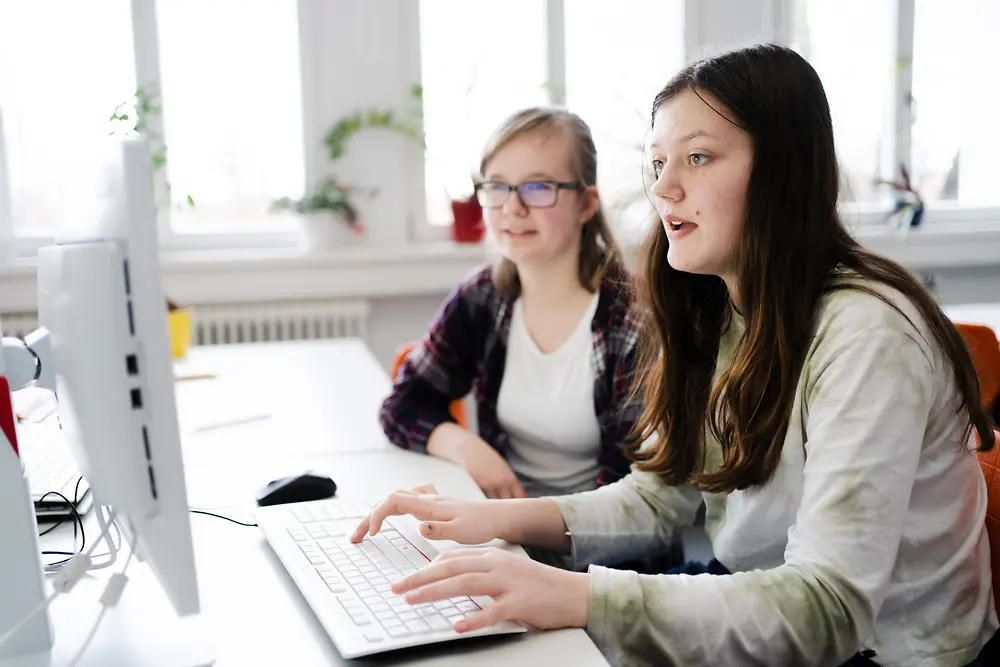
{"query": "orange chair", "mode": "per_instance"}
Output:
(985, 352)
(990, 463)
(457, 408)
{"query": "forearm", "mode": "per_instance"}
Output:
(448, 441)
(534, 522)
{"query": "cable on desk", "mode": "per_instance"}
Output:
(109, 599)
(225, 518)
(74, 517)
(75, 514)
(107, 523)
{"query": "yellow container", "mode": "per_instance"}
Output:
(179, 322)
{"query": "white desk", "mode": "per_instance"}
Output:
(318, 396)
(252, 613)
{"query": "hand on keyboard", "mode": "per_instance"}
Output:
(464, 521)
(524, 590)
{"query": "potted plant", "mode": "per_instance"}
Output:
(329, 217)
(467, 215)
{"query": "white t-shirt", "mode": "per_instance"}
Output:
(546, 406)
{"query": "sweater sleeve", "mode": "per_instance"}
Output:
(635, 517)
(439, 370)
(867, 413)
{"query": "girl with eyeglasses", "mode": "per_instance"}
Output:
(810, 392)
(546, 338)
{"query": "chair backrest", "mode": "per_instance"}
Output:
(457, 407)
(985, 352)
(990, 463)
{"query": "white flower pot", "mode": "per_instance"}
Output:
(324, 231)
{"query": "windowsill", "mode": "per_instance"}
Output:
(254, 274)
(950, 245)
(435, 267)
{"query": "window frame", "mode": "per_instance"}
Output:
(698, 27)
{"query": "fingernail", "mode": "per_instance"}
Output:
(459, 627)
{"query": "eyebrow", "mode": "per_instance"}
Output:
(533, 176)
(689, 137)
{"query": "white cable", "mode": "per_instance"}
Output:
(109, 599)
(67, 576)
(106, 524)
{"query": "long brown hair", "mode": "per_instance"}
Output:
(600, 254)
(792, 246)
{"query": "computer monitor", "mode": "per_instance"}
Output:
(100, 295)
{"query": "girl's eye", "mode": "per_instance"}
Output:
(657, 167)
(699, 159)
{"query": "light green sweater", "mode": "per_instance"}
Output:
(871, 533)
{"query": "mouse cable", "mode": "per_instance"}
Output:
(225, 518)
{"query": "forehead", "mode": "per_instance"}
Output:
(686, 113)
(547, 150)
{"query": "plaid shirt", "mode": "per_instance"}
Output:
(466, 349)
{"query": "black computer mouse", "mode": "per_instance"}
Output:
(297, 489)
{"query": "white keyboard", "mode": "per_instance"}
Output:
(348, 585)
(49, 466)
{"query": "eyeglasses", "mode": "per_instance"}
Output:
(533, 194)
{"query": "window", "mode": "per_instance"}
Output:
(618, 56)
(54, 106)
(232, 116)
(858, 76)
(911, 87)
(955, 64)
(480, 62)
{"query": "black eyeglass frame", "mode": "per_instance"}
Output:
(559, 185)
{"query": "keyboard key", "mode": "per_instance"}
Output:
(400, 631)
(298, 534)
(374, 637)
(438, 622)
(385, 615)
(337, 586)
(468, 605)
(418, 626)
(361, 619)
(409, 615)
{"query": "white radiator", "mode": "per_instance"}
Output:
(257, 322)
(217, 324)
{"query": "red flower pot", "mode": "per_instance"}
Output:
(468, 225)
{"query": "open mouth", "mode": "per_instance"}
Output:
(678, 224)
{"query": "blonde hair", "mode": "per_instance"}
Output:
(600, 254)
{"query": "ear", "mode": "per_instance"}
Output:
(590, 201)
